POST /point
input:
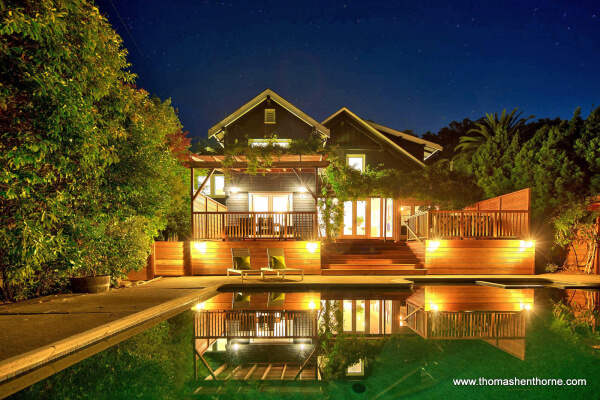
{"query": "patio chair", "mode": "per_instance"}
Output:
(240, 300)
(241, 264)
(275, 299)
(276, 261)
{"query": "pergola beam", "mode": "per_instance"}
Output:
(243, 164)
(212, 171)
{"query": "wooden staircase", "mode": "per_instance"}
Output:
(370, 257)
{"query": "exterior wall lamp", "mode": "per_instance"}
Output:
(233, 192)
(302, 190)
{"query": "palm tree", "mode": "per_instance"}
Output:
(468, 145)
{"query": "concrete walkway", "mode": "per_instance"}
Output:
(35, 332)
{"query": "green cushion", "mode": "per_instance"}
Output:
(277, 296)
(278, 262)
(241, 297)
(241, 263)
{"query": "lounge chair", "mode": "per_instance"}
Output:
(276, 261)
(240, 300)
(241, 264)
(275, 299)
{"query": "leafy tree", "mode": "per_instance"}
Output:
(483, 131)
(448, 137)
(85, 157)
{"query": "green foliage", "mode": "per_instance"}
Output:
(488, 128)
(155, 364)
(574, 327)
(88, 163)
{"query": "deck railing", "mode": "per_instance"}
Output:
(466, 325)
(254, 225)
(476, 325)
(256, 324)
(440, 224)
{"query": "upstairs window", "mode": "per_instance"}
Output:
(269, 116)
(356, 161)
(264, 142)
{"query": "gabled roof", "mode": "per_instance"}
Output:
(259, 99)
(405, 136)
(377, 133)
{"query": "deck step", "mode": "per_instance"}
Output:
(369, 261)
(384, 261)
(413, 271)
(369, 267)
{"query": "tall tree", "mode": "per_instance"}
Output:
(483, 131)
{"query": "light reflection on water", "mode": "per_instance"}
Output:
(358, 345)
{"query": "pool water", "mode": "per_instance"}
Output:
(432, 342)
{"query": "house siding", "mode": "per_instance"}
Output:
(272, 183)
(352, 138)
(252, 125)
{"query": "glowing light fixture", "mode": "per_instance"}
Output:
(200, 246)
(312, 305)
(302, 346)
(526, 306)
(433, 244)
(236, 347)
(434, 307)
(199, 307)
(312, 246)
(526, 244)
(233, 191)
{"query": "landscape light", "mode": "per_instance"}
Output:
(236, 347)
(302, 346)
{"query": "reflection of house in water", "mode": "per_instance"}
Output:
(265, 336)
(273, 336)
(494, 315)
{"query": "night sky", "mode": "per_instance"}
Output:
(401, 64)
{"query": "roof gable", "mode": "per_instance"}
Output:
(376, 133)
(218, 128)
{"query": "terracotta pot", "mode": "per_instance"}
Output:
(90, 284)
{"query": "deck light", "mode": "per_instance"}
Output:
(302, 346)
(236, 347)
(433, 244)
(200, 246)
(199, 307)
(312, 305)
(526, 244)
(434, 307)
(312, 246)
(526, 306)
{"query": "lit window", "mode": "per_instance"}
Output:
(356, 161)
(269, 116)
(265, 142)
(219, 185)
(356, 369)
(206, 188)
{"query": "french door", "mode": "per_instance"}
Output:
(368, 219)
